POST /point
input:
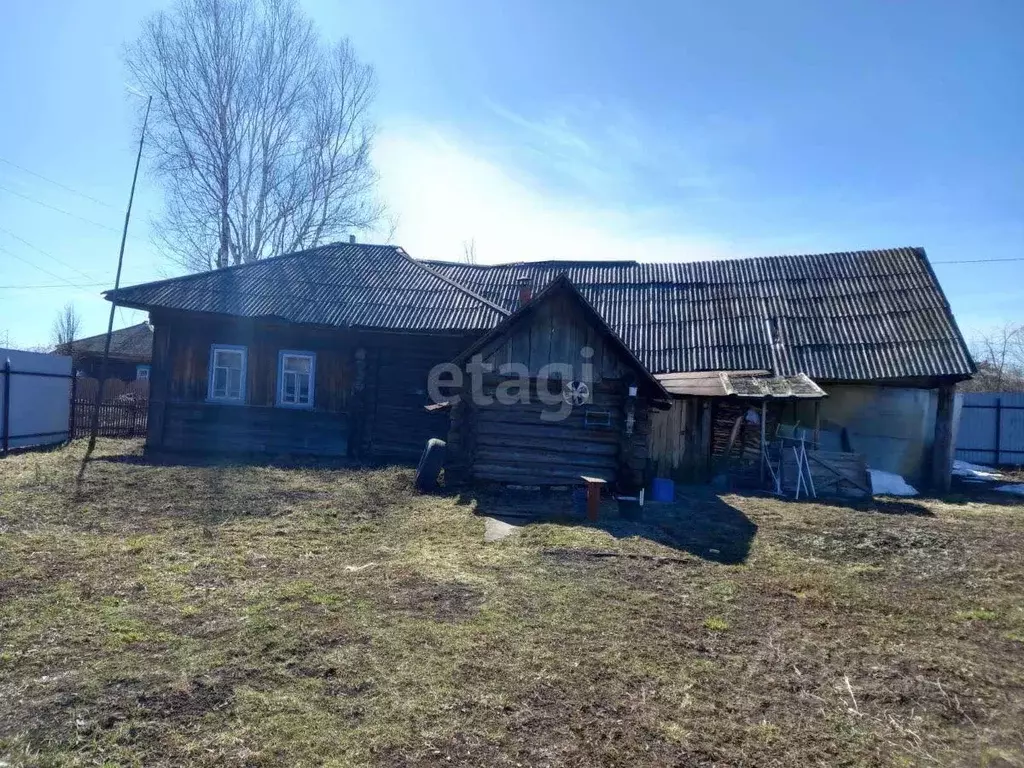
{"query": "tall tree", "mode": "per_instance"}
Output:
(261, 131)
(66, 328)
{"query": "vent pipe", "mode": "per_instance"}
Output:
(351, 239)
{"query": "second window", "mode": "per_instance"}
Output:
(296, 377)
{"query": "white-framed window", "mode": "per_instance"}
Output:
(227, 373)
(296, 378)
(142, 372)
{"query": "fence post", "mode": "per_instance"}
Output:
(999, 427)
(7, 406)
(71, 414)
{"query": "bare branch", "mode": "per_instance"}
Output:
(261, 133)
(65, 329)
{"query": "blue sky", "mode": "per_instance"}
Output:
(655, 131)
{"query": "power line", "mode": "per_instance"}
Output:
(58, 210)
(48, 255)
(978, 261)
(36, 266)
(65, 187)
(49, 285)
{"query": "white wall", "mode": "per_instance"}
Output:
(38, 404)
(893, 427)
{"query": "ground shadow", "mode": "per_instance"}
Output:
(887, 505)
(702, 524)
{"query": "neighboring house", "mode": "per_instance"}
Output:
(327, 351)
(130, 351)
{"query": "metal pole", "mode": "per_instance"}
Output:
(7, 406)
(117, 284)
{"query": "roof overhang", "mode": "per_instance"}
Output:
(746, 385)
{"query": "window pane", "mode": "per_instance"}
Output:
(304, 389)
(288, 395)
(235, 383)
(220, 382)
(228, 358)
(296, 363)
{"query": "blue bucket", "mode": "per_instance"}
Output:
(663, 489)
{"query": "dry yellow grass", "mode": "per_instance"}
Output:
(171, 614)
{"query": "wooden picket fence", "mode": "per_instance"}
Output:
(123, 409)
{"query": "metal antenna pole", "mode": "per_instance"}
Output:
(117, 284)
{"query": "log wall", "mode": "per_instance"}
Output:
(512, 443)
(370, 389)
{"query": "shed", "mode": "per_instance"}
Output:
(552, 394)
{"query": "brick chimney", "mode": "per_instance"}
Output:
(525, 290)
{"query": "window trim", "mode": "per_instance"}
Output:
(143, 367)
(214, 348)
(279, 396)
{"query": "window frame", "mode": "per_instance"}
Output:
(214, 349)
(143, 367)
(279, 389)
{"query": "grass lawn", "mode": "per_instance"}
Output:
(166, 615)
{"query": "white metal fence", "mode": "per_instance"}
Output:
(35, 393)
(991, 428)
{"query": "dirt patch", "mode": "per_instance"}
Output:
(855, 543)
(424, 598)
(194, 701)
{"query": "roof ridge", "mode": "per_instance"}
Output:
(455, 284)
(624, 263)
(113, 331)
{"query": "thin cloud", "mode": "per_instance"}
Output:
(449, 190)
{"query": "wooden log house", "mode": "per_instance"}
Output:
(328, 352)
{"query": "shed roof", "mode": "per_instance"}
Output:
(863, 315)
(350, 285)
(132, 343)
(750, 385)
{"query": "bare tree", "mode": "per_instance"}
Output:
(261, 131)
(66, 328)
(469, 251)
(1000, 358)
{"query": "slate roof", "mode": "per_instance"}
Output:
(132, 343)
(863, 315)
(349, 285)
(857, 316)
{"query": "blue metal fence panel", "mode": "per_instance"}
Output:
(991, 428)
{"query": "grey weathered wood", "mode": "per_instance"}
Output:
(943, 446)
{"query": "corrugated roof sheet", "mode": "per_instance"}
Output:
(743, 384)
(348, 285)
(134, 342)
(840, 316)
(853, 316)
